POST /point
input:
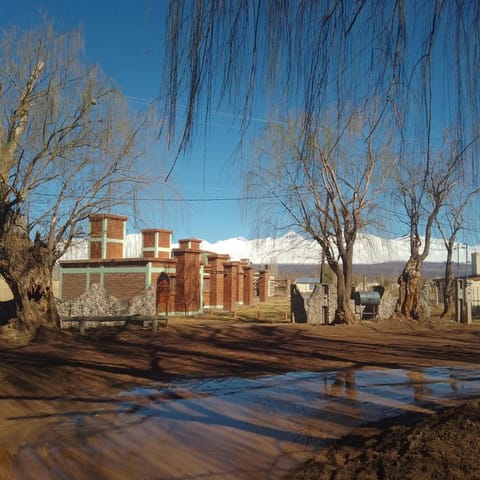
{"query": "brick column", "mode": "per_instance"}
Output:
(187, 280)
(217, 273)
(205, 285)
(239, 287)
(247, 285)
(107, 236)
(230, 284)
(263, 284)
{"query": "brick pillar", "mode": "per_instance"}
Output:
(217, 273)
(205, 286)
(230, 285)
(263, 284)
(107, 236)
(156, 243)
(187, 280)
(247, 285)
(240, 283)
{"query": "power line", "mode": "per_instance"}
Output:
(468, 227)
(173, 200)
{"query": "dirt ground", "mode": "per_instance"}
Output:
(444, 445)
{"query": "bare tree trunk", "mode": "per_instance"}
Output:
(449, 287)
(410, 283)
(27, 267)
(34, 299)
(343, 312)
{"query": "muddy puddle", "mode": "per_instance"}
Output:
(228, 428)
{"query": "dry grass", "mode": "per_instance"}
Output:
(276, 310)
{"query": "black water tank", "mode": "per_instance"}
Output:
(366, 298)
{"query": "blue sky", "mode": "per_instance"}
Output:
(125, 38)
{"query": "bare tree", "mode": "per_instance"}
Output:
(417, 60)
(452, 223)
(68, 148)
(425, 111)
(325, 191)
(423, 192)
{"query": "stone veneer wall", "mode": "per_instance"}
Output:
(97, 302)
(314, 305)
(321, 304)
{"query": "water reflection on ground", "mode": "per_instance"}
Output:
(218, 428)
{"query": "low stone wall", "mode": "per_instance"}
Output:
(318, 308)
(387, 305)
(97, 302)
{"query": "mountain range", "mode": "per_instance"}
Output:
(371, 252)
(292, 248)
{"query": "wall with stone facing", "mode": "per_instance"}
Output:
(318, 307)
(387, 305)
(97, 302)
(321, 304)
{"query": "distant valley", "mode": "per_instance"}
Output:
(370, 270)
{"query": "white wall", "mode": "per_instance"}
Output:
(476, 263)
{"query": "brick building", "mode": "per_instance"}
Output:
(198, 279)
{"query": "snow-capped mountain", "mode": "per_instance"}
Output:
(290, 248)
(293, 248)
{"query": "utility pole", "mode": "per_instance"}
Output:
(466, 262)
(463, 290)
(467, 292)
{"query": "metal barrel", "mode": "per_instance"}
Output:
(366, 298)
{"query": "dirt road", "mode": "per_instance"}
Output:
(102, 362)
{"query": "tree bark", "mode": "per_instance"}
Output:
(410, 289)
(27, 268)
(449, 287)
(343, 312)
